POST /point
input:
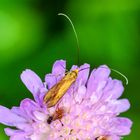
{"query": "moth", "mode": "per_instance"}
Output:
(58, 90)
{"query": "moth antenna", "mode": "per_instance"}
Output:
(78, 48)
(121, 75)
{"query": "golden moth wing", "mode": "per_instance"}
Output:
(51, 92)
(60, 91)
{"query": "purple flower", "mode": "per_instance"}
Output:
(88, 111)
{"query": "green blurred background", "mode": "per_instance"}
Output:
(33, 36)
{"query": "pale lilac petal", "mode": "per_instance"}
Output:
(20, 135)
(32, 82)
(40, 115)
(83, 73)
(79, 96)
(29, 106)
(74, 67)
(102, 73)
(118, 106)
(26, 127)
(58, 71)
(59, 67)
(7, 117)
(10, 132)
(50, 80)
(120, 126)
(113, 89)
(13, 132)
(97, 80)
(19, 112)
(95, 97)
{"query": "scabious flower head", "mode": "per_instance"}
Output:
(88, 111)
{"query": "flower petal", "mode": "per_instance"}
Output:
(7, 117)
(101, 73)
(59, 67)
(32, 82)
(20, 135)
(18, 111)
(113, 89)
(10, 132)
(74, 67)
(13, 132)
(50, 80)
(97, 80)
(28, 107)
(118, 106)
(21, 112)
(58, 71)
(40, 115)
(80, 94)
(83, 73)
(120, 126)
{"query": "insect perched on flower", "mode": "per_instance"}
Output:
(88, 110)
(57, 91)
(72, 106)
